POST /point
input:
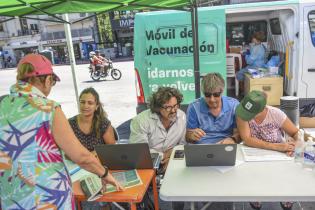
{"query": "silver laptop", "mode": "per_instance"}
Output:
(126, 156)
(210, 154)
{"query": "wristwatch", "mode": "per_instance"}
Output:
(105, 173)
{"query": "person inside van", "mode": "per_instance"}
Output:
(262, 126)
(211, 119)
(255, 57)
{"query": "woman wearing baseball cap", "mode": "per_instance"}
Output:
(33, 131)
(262, 126)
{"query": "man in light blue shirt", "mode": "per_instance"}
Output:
(211, 119)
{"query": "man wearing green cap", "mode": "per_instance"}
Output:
(262, 126)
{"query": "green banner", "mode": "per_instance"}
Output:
(164, 49)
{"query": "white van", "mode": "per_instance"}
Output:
(289, 26)
(291, 32)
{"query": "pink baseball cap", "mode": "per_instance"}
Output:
(41, 65)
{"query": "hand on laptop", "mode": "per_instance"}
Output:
(195, 134)
(109, 179)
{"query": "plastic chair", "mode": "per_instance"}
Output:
(231, 68)
(118, 139)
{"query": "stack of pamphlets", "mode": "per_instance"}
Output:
(92, 186)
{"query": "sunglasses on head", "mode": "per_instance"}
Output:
(215, 94)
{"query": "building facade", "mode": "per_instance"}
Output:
(22, 36)
(116, 33)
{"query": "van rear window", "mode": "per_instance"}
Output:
(311, 20)
(275, 26)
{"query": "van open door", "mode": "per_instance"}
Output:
(307, 84)
(164, 50)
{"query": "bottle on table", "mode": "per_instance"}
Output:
(299, 147)
(309, 155)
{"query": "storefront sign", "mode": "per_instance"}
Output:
(122, 24)
(55, 41)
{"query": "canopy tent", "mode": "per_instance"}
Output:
(25, 8)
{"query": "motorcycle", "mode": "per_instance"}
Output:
(99, 73)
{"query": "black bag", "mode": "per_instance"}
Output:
(307, 110)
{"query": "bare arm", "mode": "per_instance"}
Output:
(236, 136)
(234, 139)
(68, 142)
(105, 59)
(245, 134)
(97, 59)
(290, 128)
(109, 136)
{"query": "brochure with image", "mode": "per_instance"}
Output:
(91, 184)
(126, 178)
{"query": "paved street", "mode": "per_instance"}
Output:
(118, 97)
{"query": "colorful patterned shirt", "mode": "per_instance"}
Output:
(32, 171)
(270, 129)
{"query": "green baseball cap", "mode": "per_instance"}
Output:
(252, 104)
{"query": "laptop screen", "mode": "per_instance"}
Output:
(125, 156)
(210, 154)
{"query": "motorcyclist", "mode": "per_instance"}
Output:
(99, 60)
(92, 54)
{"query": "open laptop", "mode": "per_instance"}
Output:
(210, 154)
(126, 156)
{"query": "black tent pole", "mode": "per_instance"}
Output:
(195, 40)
